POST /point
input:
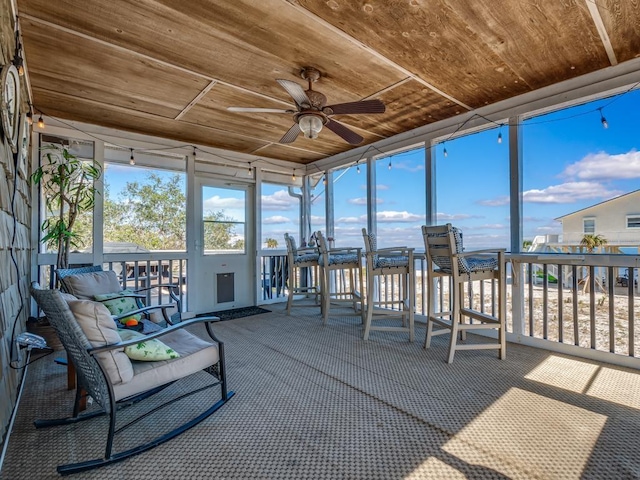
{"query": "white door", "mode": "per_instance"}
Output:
(224, 265)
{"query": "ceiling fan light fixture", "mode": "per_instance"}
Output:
(310, 125)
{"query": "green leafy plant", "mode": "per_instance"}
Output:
(68, 187)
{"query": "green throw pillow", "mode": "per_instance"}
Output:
(147, 351)
(120, 304)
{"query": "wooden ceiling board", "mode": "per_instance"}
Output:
(477, 51)
(59, 105)
(622, 22)
(409, 105)
(93, 71)
(245, 43)
(288, 153)
(541, 42)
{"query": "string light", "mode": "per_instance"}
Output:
(324, 179)
(603, 120)
(499, 137)
(293, 177)
(40, 122)
(30, 118)
(249, 171)
(358, 166)
(389, 166)
(444, 152)
(194, 153)
(132, 161)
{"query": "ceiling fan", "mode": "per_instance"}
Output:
(312, 112)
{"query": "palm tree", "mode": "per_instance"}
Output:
(591, 242)
(272, 243)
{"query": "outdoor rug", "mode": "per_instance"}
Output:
(236, 313)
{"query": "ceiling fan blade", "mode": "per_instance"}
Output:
(291, 135)
(258, 110)
(366, 106)
(295, 90)
(349, 135)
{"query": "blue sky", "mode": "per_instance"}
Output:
(570, 162)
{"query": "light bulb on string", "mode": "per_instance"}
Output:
(603, 120)
(357, 167)
(249, 170)
(324, 179)
(293, 177)
(499, 137)
(389, 166)
(40, 122)
(30, 118)
(132, 161)
(444, 152)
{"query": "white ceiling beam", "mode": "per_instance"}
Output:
(373, 52)
(602, 31)
(197, 98)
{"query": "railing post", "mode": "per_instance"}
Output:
(517, 297)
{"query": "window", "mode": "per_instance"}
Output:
(350, 205)
(472, 187)
(144, 209)
(280, 215)
(633, 221)
(223, 220)
(589, 225)
(401, 199)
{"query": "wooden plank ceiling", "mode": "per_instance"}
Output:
(171, 69)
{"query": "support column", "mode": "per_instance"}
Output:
(430, 182)
(515, 206)
(372, 197)
(328, 199)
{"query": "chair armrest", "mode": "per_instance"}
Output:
(481, 252)
(151, 336)
(346, 250)
(307, 250)
(393, 251)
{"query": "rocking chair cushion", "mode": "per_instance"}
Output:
(307, 257)
(97, 324)
(195, 354)
(87, 285)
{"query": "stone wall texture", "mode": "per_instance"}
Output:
(14, 243)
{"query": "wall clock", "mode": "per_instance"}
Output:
(10, 82)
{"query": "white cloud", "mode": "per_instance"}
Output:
(276, 219)
(361, 219)
(362, 201)
(454, 216)
(569, 192)
(280, 200)
(391, 216)
(494, 202)
(216, 203)
(407, 167)
(603, 166)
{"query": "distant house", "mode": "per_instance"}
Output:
(617, 220)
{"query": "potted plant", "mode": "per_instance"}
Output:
(68, 186)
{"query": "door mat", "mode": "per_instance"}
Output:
(236, 313)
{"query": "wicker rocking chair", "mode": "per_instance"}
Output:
(114, 381)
